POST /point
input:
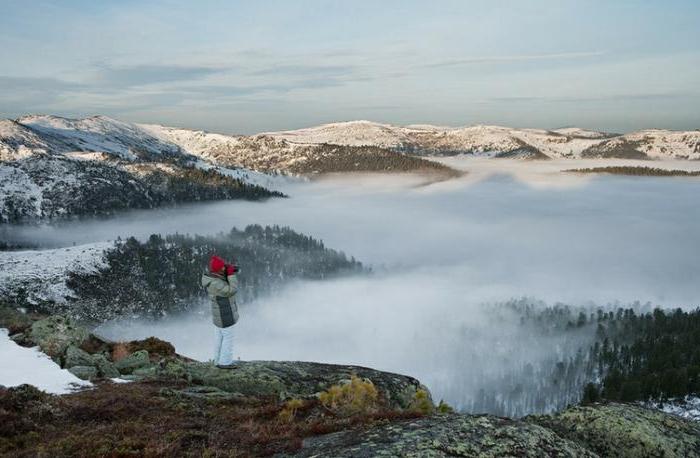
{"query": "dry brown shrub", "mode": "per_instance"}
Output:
(120, 350)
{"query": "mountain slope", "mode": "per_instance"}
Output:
(649, 144)
(18, 141)
(272, 154)
(98, 133)
(52, 167)
(46, 186)
(497, 141)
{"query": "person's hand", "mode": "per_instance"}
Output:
(231, 269)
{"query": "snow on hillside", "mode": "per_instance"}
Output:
(196, 142)
(569, 144)
(580, 133)
(42, 273)
(19, 194)
(351, 133)
(99, 134)
(107, 141)
(480, 139)
(258, 152)
(29, 365)
(687, 407)
(17, 141)
(666, 143)
(489, 141)
(249, 176)
(289, 150)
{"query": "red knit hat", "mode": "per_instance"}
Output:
(216, 263)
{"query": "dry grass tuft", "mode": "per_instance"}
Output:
(358, 397)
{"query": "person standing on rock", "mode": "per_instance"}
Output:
(221, 283)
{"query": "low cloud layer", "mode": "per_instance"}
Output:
(443, 255)
(603, 240)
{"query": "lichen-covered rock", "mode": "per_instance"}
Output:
(201, 392)
(76, 357)
(625, 430)
(105, 367)
(290, 379)
(137, 360)
(447, 435)
(84, 372)
(56, 333)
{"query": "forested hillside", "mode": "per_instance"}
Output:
(560, 355)
(44, 186)
(654, 355)
(162, 274)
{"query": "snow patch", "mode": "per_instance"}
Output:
(687, 407)
(29, 365)
(43, 273)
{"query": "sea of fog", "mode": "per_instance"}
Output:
(441, 253)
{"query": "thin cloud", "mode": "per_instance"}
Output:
(305, 70)
(140, 75)
(599, 98)
(515, 58)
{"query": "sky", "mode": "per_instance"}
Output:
(248, 67)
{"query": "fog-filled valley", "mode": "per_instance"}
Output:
(458, 269)
(350, 229)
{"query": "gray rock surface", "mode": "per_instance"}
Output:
(289, 379)
(56, 333)
(105, 367)
(444, 436)
(76, 357)
(625, 430)
(136, 360)
(84, 372)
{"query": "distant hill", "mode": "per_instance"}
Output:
(497, 141)
(55, 167)
(99, 164)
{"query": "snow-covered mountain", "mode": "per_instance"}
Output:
(257, 152)
(500, 141)
(18, 141)
(97, 133)
(273, 154)
(301, 151)
(52, 166)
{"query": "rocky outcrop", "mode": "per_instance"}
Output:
(89, 366)
(447, 435)
(55, 334)
(398, 419)
(285, 380)
(625, 430)
(620, 430)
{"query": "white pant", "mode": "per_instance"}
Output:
(223, 346)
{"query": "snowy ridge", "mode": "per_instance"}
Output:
(285, 150)
(100, 138)
(570, 142)
(653, 143)
(351, 133)
(43, 273)
(41, 177)
(256, 152)
(98, 134)
(18, 141)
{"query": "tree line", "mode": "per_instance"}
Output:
(162, 274)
